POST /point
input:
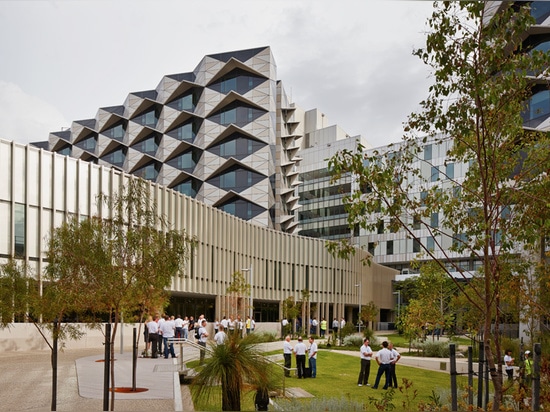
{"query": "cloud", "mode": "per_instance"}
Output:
(24, 117)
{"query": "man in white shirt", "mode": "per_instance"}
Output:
(395, 358)
(203, 337)
(383, 358)
(220, 336)
(509, 364)
(366, 356)
(168, 330)
(224, 322)
(312, 356)
(153, 328)
(287, 353)
(300, 351)
(178, 323)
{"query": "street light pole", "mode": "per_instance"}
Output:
(250, 270)
(360, 297)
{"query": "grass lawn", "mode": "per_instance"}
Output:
(337, 379)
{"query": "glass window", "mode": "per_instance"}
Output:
(189, 188)
(186, 102)
(149, 145)
(116, 158)
(242, 209)
(236, 113)
(434, 177)
(236, 146)
(149, 118)
(117, 131)
(20, 225)
(428, 152)
(237, 80)
(450, 170)
(416, 246)
(236, 179)
(389, 247)
(434, 220)
(186, 161)
(540, 10)
(88, 144)
(185, 132)
(148, 172)
(539, 105)
(430, 243)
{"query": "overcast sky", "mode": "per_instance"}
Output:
(62, 60)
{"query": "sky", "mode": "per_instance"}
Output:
(63, 60)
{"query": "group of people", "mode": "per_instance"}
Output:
(300, 351)
(525, 371)
(160, 330)
(386, 358)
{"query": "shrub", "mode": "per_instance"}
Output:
(353, 340)
(266, 336)
(433, 349)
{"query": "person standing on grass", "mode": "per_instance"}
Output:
(300, 351)
(312, 356)
(395, 358)
(366, 356)
(287, 353)
(383, 358)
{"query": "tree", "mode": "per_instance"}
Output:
(238, 289)
(234, 364)
(369, 313)
(119, 264)
(473, 113)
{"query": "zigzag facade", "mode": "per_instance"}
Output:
(224, 134)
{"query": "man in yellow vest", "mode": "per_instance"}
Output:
(323, 327)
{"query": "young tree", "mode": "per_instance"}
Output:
(369, 313)
(236, 363)
(483, 75)
(118, 264)
(238, 289)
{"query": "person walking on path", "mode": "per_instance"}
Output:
(383, 358)
(509, 364)
(312, 356)
(287, 353)
(300, 352)
(366, 356)
(395, 358)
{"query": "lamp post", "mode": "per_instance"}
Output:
(398, 293)
(360, 297)
(249, 270)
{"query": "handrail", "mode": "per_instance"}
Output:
(181, 342)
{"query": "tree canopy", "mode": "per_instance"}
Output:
(495, 213)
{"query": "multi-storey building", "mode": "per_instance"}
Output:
(221, 148)
(225, 134)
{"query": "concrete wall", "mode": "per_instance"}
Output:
(21, 337)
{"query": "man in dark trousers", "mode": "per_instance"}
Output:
(287, 353)
(300, 351)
